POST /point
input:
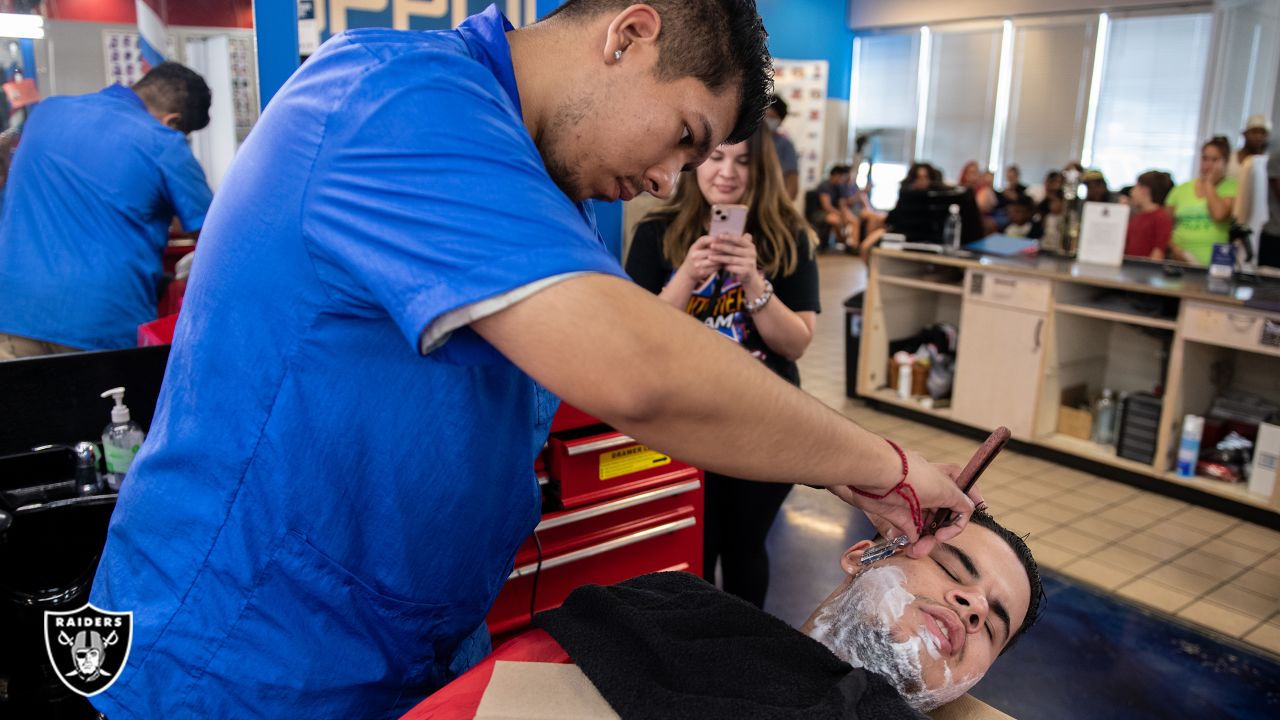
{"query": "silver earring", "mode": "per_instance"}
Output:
(617, 55)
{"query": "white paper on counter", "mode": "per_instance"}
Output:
(1102, 231)
(1266, 450)
(541, 691)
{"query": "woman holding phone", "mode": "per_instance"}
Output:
(757, 284)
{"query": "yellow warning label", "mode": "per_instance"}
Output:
(629, 460)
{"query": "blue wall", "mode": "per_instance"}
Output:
(812, 30)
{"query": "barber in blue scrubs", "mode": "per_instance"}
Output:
(396, 281)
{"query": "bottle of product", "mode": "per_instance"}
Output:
(1189, 446)
(121, 439)
(1104, 419)
(1073, 211)
(904, 380)
(951, 230)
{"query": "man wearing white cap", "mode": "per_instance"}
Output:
(1249, 165)
(1256, 133)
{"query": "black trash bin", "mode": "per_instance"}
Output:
(852, 342)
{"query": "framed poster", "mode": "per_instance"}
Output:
(803, 85)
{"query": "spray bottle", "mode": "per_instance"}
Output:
(121, 439)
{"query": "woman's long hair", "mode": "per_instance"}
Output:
(772, 220)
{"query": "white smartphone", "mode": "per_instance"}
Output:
(728, 220)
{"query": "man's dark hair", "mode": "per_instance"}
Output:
(840, 170)
(1158, 183)
(171, 87)
(779, 106)
(1023, 552)
(717, 42)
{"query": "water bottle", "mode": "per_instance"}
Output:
(1104, 420)
(951, 231)
(1189, 445)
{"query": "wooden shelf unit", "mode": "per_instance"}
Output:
(1024, 348)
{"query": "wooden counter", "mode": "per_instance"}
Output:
(1030, 327)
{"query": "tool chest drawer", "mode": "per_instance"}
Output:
(587, 469)
(610, 541)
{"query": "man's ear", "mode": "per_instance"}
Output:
(173, 121)
(850, 560)
(638, 25)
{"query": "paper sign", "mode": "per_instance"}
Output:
(1102, 230)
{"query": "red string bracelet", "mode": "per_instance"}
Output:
(903, 489)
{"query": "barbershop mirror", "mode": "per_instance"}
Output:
(58, 48)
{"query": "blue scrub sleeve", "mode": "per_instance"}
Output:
(186, 185)
(428, 195)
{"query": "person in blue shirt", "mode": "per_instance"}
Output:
(339, 472)
(93, 188)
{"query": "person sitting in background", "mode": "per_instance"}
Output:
(988, 202)
(858, 202)
(1125, 196)
(1150, 224)
(1096, 190)
(759, 289)
(980, 182)
(1202, 207)
(1013, 190)
(1054, 223)
(787, 157)
(1053, 182)
(1022, 222)
(894, 639)
(920, 176)
(831, 210)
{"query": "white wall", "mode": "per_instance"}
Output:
(889, 13)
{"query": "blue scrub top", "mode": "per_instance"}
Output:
(91, 192)
(322, 515)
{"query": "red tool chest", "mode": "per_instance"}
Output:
(626, 511)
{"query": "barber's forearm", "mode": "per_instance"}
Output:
(606, 346)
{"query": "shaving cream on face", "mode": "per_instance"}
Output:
(858, 627)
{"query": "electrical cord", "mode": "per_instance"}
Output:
(537, 572)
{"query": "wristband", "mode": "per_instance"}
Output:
(903, 489)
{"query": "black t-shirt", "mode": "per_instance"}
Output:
(726, 311)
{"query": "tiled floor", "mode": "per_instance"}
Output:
(1203, 567)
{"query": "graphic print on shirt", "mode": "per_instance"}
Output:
(722, 306)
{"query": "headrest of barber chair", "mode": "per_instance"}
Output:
(968, 707)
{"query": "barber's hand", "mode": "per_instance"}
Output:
(737, 253)
(935, 488)
(698, 265)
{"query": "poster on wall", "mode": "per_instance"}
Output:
(803, 85)
(122, 56)
(243, 84)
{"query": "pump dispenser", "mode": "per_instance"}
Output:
(120, 440)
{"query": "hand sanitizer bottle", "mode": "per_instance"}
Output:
(951, 230)
(121, 439)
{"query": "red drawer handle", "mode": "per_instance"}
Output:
(604, 547)
(599, 445)
(620, 504)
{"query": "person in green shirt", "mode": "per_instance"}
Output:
(1202, 207)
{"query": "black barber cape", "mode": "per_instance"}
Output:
(669, 645)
